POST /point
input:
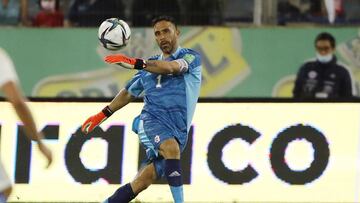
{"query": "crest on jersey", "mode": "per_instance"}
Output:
(312, 74)
(157, 139)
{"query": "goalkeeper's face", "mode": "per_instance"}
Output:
(166, 35)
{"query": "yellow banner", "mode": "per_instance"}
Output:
(223, 69)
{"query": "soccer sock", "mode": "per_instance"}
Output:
(122, 195)
(2, 198)
(173, 176)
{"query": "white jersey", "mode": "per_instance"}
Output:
(4, 179)
(7, 69)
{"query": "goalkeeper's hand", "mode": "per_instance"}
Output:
(96, 120)
(126, 62)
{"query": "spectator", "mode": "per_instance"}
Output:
(9, 12)
(351, 11)
(143, 11)
(316, 9)
(15, 12)
(293, 10)
(339, 8)
(28, 10)
(324, 77)
(90, 13)
(238, 11)
(319, 11)
(204, 12)
(49, 15)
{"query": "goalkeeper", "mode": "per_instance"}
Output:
(170, 83)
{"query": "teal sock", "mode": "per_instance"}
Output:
(177, 193)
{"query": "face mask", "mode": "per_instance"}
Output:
(324, 58)
(48, 5)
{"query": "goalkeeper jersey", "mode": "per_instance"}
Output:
(169, 100)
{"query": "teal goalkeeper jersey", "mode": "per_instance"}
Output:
(170, 99)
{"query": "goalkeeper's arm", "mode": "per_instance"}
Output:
(154, 66)
(163, 67)
(121, 100)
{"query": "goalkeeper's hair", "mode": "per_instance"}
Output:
(164, 18)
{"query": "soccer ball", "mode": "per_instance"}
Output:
(114, 33)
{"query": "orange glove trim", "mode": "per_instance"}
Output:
(119, 58)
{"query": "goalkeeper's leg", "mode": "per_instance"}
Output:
(170, 150)
(145, 177)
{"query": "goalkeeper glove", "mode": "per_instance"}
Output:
(96, 120)
(126, 62)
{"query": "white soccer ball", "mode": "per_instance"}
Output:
(114, 33)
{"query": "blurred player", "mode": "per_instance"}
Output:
(12, 92)
(170, 84)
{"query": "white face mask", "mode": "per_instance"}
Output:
(48, 5)
(324, 58)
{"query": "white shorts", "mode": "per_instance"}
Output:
(4, 179)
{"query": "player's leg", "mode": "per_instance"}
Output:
(5, 185)
(163, 140)
(144, 178)
(170, 150)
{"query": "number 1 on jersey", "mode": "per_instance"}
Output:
(158, 85)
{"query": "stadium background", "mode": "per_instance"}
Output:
(68, 62)
(249, 64)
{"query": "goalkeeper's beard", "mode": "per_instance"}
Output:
(166, 48)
